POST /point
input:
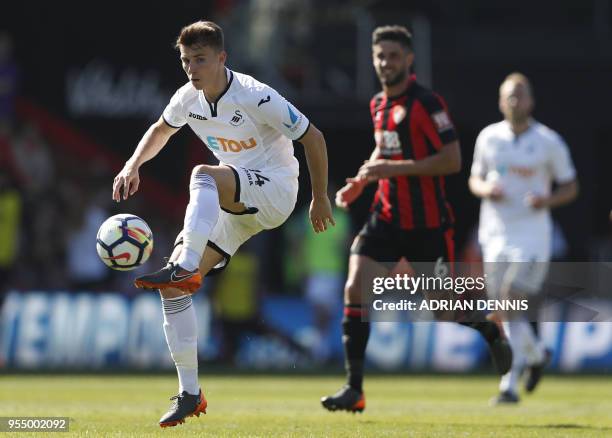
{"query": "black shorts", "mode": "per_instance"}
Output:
(384, 243)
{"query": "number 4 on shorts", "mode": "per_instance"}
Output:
(261, 180)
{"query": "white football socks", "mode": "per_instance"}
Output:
(200, 218)
(181, 329)
(532, 347)
(509, 381)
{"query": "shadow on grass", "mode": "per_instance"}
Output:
(560, 426)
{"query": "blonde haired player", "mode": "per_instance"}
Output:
(249, 127)
(515, 163)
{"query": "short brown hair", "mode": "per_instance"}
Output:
(518, 78)
(201, 33)
(393, 33)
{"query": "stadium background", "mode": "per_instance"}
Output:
(80, 84)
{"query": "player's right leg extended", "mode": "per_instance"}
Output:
(180, 328)
(209, 188)
(355, 336)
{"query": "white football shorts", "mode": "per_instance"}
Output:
(518, 266)
(269, 196)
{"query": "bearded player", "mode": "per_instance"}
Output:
(416, 146)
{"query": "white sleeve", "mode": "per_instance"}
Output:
(174, 114)
(479, 165)
(561, 165)
(268, 107)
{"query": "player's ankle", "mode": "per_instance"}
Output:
(356, 386)
(189, 260)
(184, 271)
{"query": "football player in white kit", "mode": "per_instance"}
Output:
(249, 127)
(515, 163)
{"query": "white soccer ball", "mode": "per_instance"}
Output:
(124, 242)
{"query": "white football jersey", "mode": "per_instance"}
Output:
(523, 164)
(250, 124)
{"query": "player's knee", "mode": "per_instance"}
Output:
(202, 168)
(204, 176)
(352, 294)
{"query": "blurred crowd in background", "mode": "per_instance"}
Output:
(51, 207)
(52, 202)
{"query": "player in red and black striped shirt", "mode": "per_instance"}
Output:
(416, 145)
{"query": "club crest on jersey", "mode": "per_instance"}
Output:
(237, 119)
(442, 121)
(398, 114)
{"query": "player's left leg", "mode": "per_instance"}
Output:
(527, 284)
(180, 328)
(210, 188)
(509, 381)
(438, 246)
(499, 347)
(529, 355)
(534, 371)
(355, 327)
(521, 281)
(269, 206)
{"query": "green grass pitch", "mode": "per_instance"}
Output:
(288, 406)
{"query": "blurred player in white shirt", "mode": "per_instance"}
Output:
(249, 127)
(515, 163)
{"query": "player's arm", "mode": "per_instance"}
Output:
(445, 162)
(265, 105)
(484, 189)
(354, 185)
(149, 146)
(563, 172)
(316, 157)
(478, 184)
(562, 195)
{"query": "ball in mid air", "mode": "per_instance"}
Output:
(124, 242)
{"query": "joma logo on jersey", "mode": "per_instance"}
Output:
(197, 116)
(229, 145)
